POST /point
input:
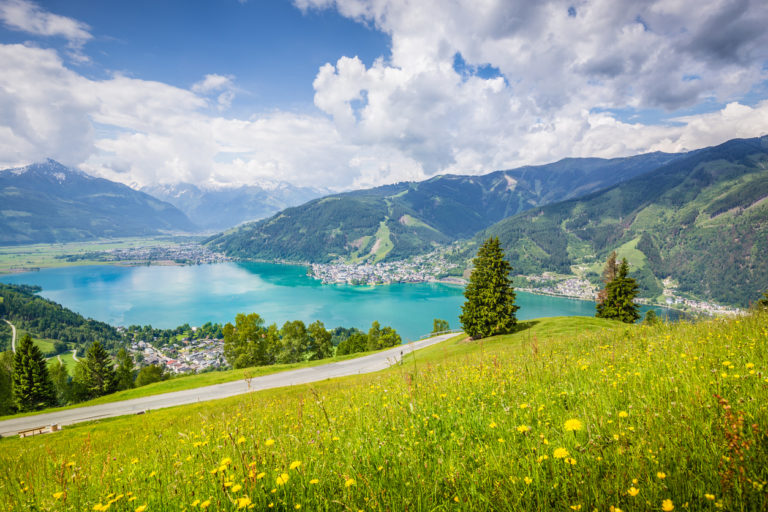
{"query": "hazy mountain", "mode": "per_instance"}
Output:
(701, 219)
(48, 202)
(395, 221)
(223, 208)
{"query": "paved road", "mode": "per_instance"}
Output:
(365, 364)
(13, 336)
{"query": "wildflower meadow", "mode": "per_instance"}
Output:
(565, 414)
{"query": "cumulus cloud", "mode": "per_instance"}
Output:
(468, 87)
(28, 17)
(558, 61)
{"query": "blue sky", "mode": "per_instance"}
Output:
(273, 48)
(354, 93)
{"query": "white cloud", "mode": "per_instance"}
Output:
(413, 113)
(223, 85)
(28, 17)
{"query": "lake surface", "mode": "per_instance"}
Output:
(166, 297)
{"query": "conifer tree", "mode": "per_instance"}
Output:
(100, 378)
(124, 372)
(32, 386)
(609, 274)
(490, 306)
(619, 297)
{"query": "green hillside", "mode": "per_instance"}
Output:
(702, 220)
(48, 202)
(566, 414)
(419, 215)
(49, 321)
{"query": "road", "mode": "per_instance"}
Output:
(13, 336)
(366, 364)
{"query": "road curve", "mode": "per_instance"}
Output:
(13, 336)
(365, 364)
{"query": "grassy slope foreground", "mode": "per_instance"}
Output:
(659, 417)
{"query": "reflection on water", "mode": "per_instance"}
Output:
(170, 296)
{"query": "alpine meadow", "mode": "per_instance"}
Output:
(384, 256)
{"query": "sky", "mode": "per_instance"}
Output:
(344, 94)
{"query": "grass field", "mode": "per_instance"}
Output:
(182, 382)
(45, 255)
(566, 414)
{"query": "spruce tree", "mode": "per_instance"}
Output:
(32, 386)
(100, 378)
(490, 306)
(619, 297)
(124, 372)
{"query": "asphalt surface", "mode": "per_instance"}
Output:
(13, 336)
(366, 364)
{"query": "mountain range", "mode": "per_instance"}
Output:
(696, 220)
(216, 209)
(396, 221)
(48, 202)
(701, 220)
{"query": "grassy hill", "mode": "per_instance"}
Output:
(702, 220)
(566, 414)
(396, 221)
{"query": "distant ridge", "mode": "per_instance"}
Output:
(216, 209)
(49, 202)
(701, 220)
(396, 221)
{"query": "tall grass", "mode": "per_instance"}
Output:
(566, 414)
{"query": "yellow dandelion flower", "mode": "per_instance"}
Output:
(97, 507)
(154, 473)
(282, 479)
(314, 481)
(58, 495)
(523, 429)
(195, 503)
(623, 414)
(575, 507)
(660, 475)
(493, 424)
(295, 464)
(70, 464)
(560, 453)
(456, 499)
(297, 506)
(573, 425)
(205, 504)
(226, 461)
(633, 491)
(260, 476)
(523, 406)
(350, 482)
(141, 508)
(667, 506)
(710, 497)
(134, 460)
(243, 502)
(236, 488)
(527, 480)
(269, 442)
(571, 461)
(500, 440)
(240, 440)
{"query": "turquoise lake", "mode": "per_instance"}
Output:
(170, 296)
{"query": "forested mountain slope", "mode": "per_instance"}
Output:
(701, 219)
(395, 221)
(48, 202)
